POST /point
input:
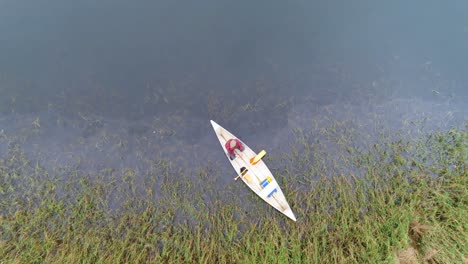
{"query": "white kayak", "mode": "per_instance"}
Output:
(258, 177)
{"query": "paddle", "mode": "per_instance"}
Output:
(253, 161)
(257, 158)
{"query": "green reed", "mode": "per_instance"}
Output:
(394, 201)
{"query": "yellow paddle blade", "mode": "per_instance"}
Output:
(257, 158)
(247, 177)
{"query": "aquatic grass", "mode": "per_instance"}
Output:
(381, 203)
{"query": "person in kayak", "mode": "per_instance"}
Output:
(233, 144)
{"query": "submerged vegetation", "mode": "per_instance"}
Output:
(399, 201)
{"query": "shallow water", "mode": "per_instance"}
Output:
(98, 142)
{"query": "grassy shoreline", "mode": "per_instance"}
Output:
(404, 202)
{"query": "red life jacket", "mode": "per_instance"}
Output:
(238, 146)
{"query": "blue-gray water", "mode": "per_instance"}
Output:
(98, 84)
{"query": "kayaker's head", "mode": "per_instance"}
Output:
(232, 144)
(243, 170)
